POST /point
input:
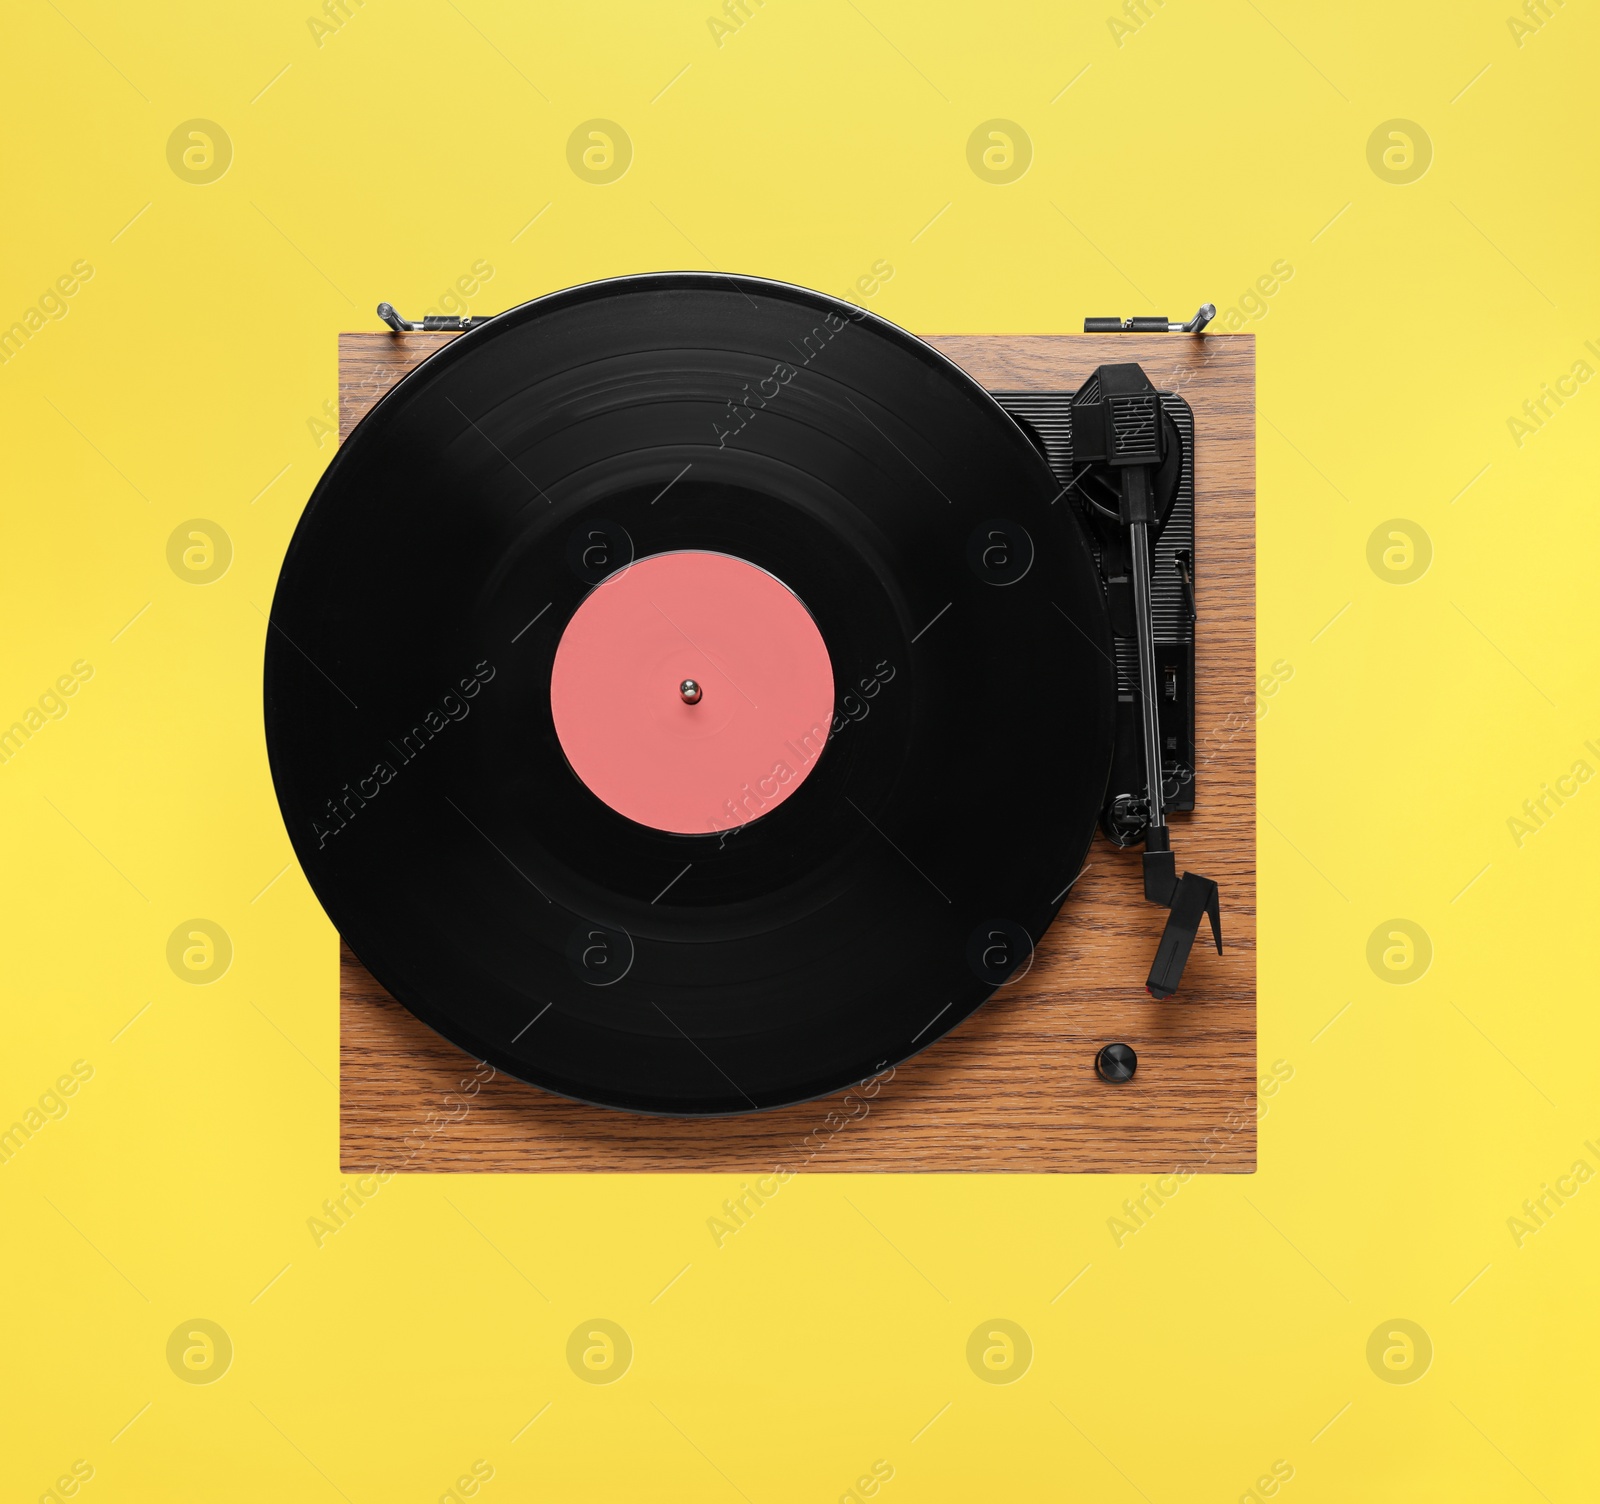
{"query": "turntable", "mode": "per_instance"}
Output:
(708, 713)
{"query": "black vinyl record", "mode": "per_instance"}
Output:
(408, 694)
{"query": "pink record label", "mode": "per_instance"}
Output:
(692, 692)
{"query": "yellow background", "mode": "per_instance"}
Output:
(1173, 162)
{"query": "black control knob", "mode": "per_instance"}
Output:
(1116, 1063)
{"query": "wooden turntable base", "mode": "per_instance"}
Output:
(1014, 1087)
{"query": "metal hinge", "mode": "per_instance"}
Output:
(445, 321)
(1161, 325)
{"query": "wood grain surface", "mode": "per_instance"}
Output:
(1013, 1088)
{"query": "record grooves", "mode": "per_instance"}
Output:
(408, 694)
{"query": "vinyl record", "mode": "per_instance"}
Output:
(689, 693)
